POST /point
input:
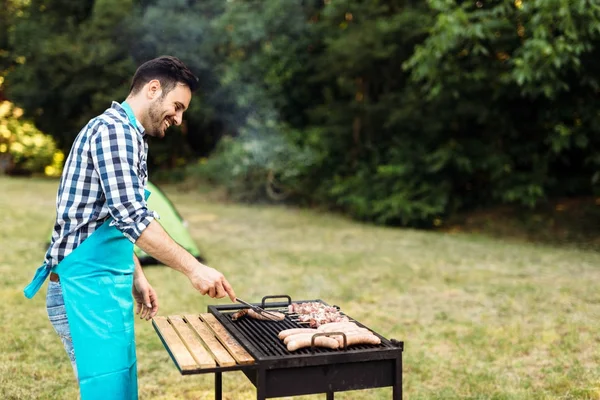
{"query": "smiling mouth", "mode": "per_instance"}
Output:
(167, 124)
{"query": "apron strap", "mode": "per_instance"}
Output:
(38, 280)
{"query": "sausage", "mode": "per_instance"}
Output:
(271, 316)
(283, 334)
(348, 331)
(305, 341)
(301, 335)
(357, 337)
(334, 326)
(239, 314)
(298, 336)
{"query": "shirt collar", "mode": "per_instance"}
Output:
(125, 112)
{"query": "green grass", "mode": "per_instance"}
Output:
(481, 318)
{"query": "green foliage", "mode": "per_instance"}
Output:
(520, 77)
(74, 62)
(26, 149)
(258, 50)
(258, 168)
(394, 111)
(185, 29)
(416, 110)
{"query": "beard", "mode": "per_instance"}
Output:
(155, 115)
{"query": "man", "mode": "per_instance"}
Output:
(101, 213)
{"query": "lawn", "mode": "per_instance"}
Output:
(481, 318)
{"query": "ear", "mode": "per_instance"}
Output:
(153, 89)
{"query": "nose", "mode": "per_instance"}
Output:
(178, 118)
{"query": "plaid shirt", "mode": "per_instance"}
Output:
(104, 176)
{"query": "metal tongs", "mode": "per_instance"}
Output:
(258, 310)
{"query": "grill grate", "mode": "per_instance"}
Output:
(261, 336)
(279, 373)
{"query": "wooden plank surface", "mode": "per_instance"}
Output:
(192, 342)
(235, 349)
(219, 353)
(180, 353)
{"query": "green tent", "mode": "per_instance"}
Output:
(171, 221)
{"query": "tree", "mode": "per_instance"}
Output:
(520, 81)
(394, 111)
(73, 62)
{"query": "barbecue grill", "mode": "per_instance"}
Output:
(265, 360)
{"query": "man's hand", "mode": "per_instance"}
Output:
(209, 281)
(145, 297)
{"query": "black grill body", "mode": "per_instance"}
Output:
(278, 372)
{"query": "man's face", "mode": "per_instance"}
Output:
(164, 111)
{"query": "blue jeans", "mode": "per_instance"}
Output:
(55, 305)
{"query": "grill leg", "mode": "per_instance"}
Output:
(330, 395)
(261, 384)
(397, 390)
(218, 386)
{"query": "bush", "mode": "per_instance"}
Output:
(23, 148)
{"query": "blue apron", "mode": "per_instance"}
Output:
(96, 280)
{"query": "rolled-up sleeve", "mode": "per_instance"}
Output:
(116, 155)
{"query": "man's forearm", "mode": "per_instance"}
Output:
(138, 266)
(155, 241)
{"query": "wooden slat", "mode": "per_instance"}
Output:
(235, 349)
(175, 346)
(192, 342)
(220, 354)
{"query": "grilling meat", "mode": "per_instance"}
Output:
(298, 336)
(354, 335)
(316, 314)
(316, 320)
(310, 308)
(357, 337)
(270, 316)
(294, 331)
(306, 340)
(239, 314)
(337, 326)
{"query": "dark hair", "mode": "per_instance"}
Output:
(168, 70)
